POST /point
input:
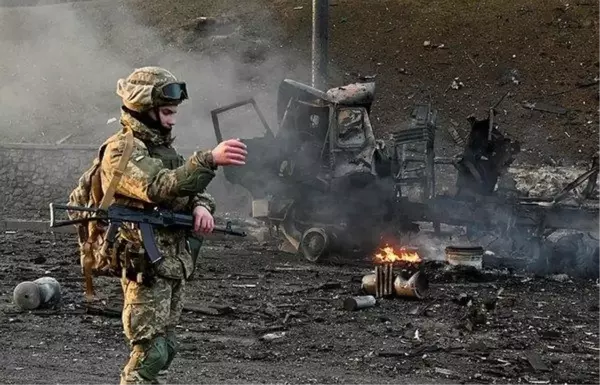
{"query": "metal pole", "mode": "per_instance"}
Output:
(320, 38)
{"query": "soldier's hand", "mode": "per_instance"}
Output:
(230, 152)
(203, 220)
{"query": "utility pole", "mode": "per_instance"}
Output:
(320, 39)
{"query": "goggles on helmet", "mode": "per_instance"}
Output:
(173, 91)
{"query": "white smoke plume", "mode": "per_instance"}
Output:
(60, 64)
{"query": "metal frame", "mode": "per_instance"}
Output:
(215, 117)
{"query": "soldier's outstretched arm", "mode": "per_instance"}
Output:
(229, 152)
(145, 178)
(205, 200)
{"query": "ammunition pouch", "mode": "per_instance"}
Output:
(136, 266)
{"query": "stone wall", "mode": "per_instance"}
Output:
(33, 175)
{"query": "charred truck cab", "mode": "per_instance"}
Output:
(323, 178)
(328, 184)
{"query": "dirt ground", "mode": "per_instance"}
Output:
(280, 320)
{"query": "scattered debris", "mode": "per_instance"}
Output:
(464, 299)
(456, 84)
(443, 371)
(111, 120)
(536, 362)
(428, 44)
(465, 256)
(201, 23)
(559, 277)
(279, 269)
(510, 76)
(272, 336)
(545, 107)
(408, 282)
(64, 139)
(578, 86)
(453, 131)
(415, 286)
(42, 293)
(102, 311)
(209, 309)
(357, 303)
(470, 58)
(532, 380)
(40, 259)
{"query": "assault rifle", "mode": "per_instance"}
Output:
(146, 219)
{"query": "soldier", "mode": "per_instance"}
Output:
(156, 174)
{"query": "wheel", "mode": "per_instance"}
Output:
(314, 244)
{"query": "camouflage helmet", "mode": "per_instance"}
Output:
(150, 87)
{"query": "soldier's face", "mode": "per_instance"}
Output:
(166, 116)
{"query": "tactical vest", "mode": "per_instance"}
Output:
(169, 157)
(171, 160)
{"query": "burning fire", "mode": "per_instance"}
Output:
(389, 256)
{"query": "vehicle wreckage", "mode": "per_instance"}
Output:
(327, 183)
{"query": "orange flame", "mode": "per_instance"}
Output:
(389, 256)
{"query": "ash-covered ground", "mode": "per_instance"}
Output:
(256, 315)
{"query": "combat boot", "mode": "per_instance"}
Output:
(163, 377)
(135, 378)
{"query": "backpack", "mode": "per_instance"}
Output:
(91, 235)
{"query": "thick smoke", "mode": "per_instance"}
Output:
(60, 64)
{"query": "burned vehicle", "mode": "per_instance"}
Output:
(328, 184)
(323, 178)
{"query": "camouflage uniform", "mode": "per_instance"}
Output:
(155, 175)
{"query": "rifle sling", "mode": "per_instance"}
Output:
(118, 172)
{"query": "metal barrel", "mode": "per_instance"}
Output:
(42, 292)
(361, 302)
(465, 256)
(416, 286)
(369, 283)
(384, 280)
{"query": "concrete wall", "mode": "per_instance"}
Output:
(33, 175)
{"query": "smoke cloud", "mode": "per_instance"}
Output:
(60, 64)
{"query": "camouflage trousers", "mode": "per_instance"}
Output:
(150, 314)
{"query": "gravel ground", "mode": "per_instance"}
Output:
(255, 315)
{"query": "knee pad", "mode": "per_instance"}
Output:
(154, 358)
(171, 348)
